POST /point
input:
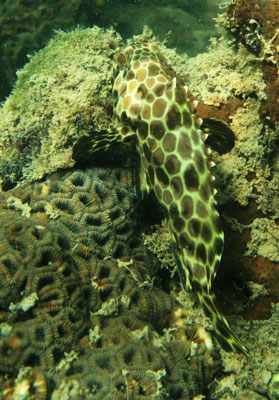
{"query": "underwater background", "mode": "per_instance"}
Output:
(91, 304)
(26, 26)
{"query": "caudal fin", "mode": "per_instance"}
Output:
(224, 334)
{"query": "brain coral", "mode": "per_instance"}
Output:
(131, 351)
(96, 207)
(85, 319)
(42, 295)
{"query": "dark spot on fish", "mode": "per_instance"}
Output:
(217, 224)
(178, 224)
(130, 75)
(142, 89)
(211, 256)
(184, 146)
(172, 164)
(169, 142)
(158, 90)
(187, 206)
(201, 253)
(158, 191)
(200, 162)
(199, 271)
(150, 98)
(159, 108)
(174, 211)
(162, 176)
(201, 210)
(147, 152)
(191, 178)
(179, 96)
(167, 197)
(195, 136)
(218, 246)
(153, 69)
(152, 143)
(173, 117)
(157, 129)
(158, 157)
(205, 191)
(186, 243)
(208, 273)
(194, 227)
(177, 186)
(206, 233)
(143, 129)
(124, 117)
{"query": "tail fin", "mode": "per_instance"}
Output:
(224, 334)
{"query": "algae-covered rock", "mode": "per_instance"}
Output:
(63, 91)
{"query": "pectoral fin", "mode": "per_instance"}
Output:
(220, 136)
(105, 146)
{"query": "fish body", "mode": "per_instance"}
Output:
(153, 107)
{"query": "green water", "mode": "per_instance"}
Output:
(26, 26)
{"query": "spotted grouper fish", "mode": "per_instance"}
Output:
(155, 111)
